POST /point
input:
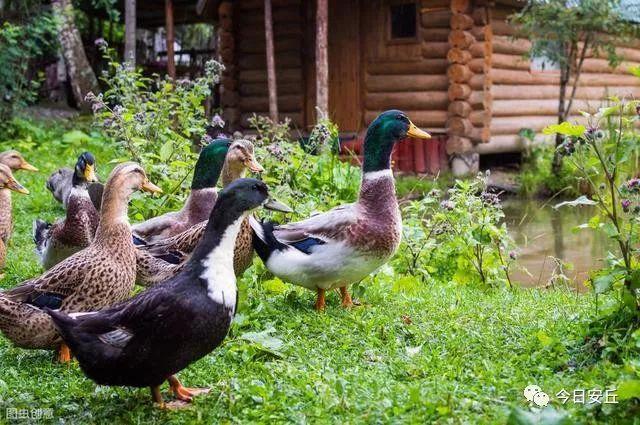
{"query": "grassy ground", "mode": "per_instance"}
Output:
(443, 353)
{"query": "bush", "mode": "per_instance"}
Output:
(21, 45)
(460, 237)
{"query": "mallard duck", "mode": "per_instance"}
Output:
(146, 340)
(7, 184)
(91, 279)
(60, 183)
(15, 161)
(344, 245)
(55, 242)
(175, 248)
(203, 193)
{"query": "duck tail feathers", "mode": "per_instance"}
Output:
(60, 319)
(264, 241)
(64, 325)
(40, 234)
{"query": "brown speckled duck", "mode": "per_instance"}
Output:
(151, 270)
(203, 193)
(15, 161)
(55, 242)
(96, 277)
(7, 184)
(344, 245)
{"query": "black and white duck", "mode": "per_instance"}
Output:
(146, 340)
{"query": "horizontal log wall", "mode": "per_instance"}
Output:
(410, 76)
(251, 60)
(525, 99)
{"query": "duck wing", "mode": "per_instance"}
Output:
(328, 226)
(50, 289)
(151, 270)
(184, 242)
(319, 229)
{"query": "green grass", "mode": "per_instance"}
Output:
(444, 353)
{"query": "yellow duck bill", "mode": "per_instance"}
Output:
(90, 174)
(254, 166)
(147, 186)
(17, 187)
(28, 167)
(415, 132)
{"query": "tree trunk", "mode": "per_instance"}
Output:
(271, 62)
(130, 32)
(565, 73)
(81, 76)
(322, 58)
(171, 59)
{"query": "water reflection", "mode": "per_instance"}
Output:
(543, 233)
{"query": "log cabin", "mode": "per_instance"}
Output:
(456, 67)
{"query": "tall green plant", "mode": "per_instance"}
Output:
(157, 122)
(603, 154)
(565, 32)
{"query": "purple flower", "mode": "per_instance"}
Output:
(101, 43)
(490, 198)
(206, 139)
(513, 255)
(276, 150)
(632, 185)
(118, 110)
(90, 97)
(625, 205)
(217, 121)
(96, 106)
(447, 205)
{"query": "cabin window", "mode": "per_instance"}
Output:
(403, 21)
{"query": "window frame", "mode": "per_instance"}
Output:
(403, 40)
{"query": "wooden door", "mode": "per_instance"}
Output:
(344, 64)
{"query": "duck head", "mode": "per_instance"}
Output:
(383, 133)
(129, 177)
(15, 161)
(7, 181)
(246, 194)
(85, 170)
(241, 155)
(209, 165)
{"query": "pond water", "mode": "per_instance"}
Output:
(543, 234)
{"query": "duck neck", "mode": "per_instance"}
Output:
(219, 236)
(207, 171)
(114, 222)
(378, 146)
(199, 204)
(232, 170)
(5, 213)
(378, 191)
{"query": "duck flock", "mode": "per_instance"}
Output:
(189, 260)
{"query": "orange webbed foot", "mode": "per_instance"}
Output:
(64, 354)
(185, 394)
(320, 300)
(347, 302)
